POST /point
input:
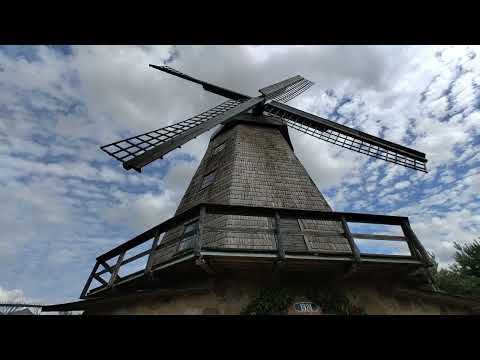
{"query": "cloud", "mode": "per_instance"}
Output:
(402, 185)
(12, 296)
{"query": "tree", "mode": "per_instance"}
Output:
(463, 277)
(467, 258)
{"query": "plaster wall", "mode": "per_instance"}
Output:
(229, 297)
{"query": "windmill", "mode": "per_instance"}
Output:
(251, 206)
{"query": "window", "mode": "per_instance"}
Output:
(208, 179)
(190, 231)
(219, 148)
(190, 227)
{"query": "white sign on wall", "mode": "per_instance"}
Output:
(306, 307)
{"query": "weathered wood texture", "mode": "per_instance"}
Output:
(256, 167)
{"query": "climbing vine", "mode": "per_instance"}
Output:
(334, 301)
(275, 300)
(269, 301)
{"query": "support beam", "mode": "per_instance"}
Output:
(353, 246)
(89, 281)
(413, 251)
(100, 280)
(108, 268)
(148, 267)
(125, 262)
(278, 233)
(201, 230)
(111, 283)
(416, 243)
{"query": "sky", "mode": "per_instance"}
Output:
(65, 202)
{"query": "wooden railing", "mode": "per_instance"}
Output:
(417, 252)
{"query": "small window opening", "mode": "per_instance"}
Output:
(208, 179)
(190, 232)
(218, 148)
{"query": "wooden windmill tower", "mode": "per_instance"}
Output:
(251, 212)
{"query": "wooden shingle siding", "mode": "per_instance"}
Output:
(295, 243)
(288, 224)
(323, 242)
(257, 167)
(165, 252)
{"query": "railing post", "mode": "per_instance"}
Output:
(148, 267)
(197, 249)
(413, 250)
(353, 246)
(410, 235)
(199, 238)
(278, 233)
(115, 270)
(89, 281)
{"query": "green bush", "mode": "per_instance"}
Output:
(334, 301)
(271, 300)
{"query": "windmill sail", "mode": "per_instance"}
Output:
(207, 86)
(293, 91)
(286, 87)
(348, 138)
(140, 150)
(282, 91)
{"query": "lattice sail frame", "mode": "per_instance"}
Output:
(286, 89)
(346, 141)
(128, 149)
(282, 91)
(293, 91)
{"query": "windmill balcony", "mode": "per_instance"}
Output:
(198, 248)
